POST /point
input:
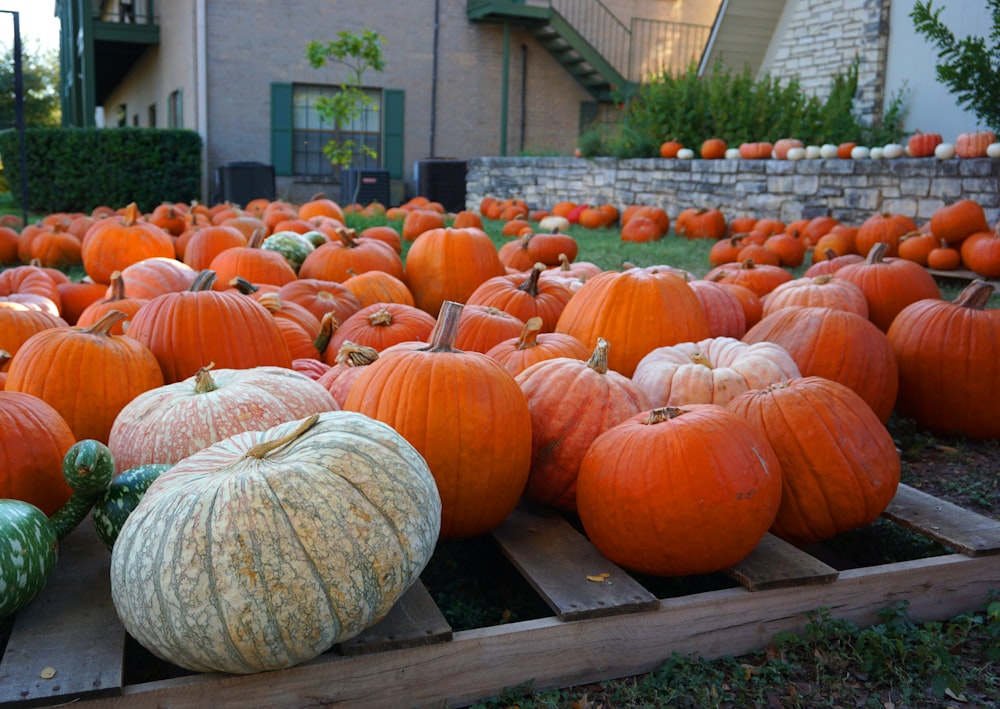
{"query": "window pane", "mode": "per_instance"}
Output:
(311, 132)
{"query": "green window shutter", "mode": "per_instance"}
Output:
(392, 132)
(281, 128)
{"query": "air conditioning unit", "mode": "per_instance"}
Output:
(241, 182)
(442, 180)
(364, 186)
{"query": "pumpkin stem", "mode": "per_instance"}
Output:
(203, 380)
(529, 334)
(382, 318)
(107, 321)
(242, 285)
(664, 414)
(975, 295)
(564, 262)
(445, 328)
(117, 287)
(823, 279)
(877, 252)
(699, 357)
(530, 285)
(4, 358)
(131, 215)
(599, 359)
(257, 238)
(327, 326)
(352, 354)
(263, 449)
(348, 237)
(203, 281)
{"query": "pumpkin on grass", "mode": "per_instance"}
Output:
(839, 464)
(263, 550)
(679, 491)
(516, 354)
(949, 363)
(463, 412)
(449, 264)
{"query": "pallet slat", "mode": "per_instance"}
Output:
(775, 563)
(70, 627)
(414, 620)
(567, 570)
(956, 527)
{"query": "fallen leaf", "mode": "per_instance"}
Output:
(958, 698)
(599, 577)
(47, 673)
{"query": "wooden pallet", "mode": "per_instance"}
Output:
(68, 644)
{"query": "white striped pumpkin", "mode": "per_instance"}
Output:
(262, 551)
(173, 421)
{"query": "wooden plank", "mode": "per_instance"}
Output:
(551, 653)
(573, 577)
(963, 275)
(414, 620)
(956, 527)
(775, 563)
(70, 627)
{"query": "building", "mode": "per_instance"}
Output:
(463, 78)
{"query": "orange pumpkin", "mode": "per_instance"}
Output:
(956, 221)
(713, 149)
(703, 223)
(981, 254)
(86, 374)
(974, 144)
(418, 221)
(34, 438)
(516, 354)
(379, 326)
(887, 228)
(116, 242)
(723, 310)
(824, 291)
(840, 469)
(449, 264)
(643, 506)
(525, 296)
(446, 403)
(337, 259)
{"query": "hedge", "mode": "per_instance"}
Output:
(77, 169)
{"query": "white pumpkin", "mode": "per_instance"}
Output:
(796, 154)
(812, 152)
(712, 371)
(553, 223)
(171, 422)
(732, 154)
(265, 549)
(944, 151)
(892, 151)
(828, 151)
(860, 152)
(993, 150)
(685, 154)
(876, 153)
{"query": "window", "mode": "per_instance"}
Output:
(310, 132)
(135, 120)
(121, 115)
(175, 109)
(151, 115)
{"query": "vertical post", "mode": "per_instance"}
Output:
(19, 114)
(504, 87)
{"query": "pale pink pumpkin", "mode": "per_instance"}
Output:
(171, 422)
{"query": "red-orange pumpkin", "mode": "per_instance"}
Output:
(839, 464)
(650, 488)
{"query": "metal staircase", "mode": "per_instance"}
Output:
(594, 46)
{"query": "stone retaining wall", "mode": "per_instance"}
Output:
(850, 190)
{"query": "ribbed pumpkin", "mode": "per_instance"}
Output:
(34, 437)
(676, 492)
(724, 311)
(825, 291)
(464, 413)
(949, 363)
(761, 278)
(449, 264)
(320, 297)
(483, 327)
(838, 345)
(981, 253)
(840, 468)
(525, 296)
(572, 402)
(378, 287)
(189, 329)
(170, 422)
(299, 328)
(155, 276)
(883, 228)
(86, 374)
(208, 242)
(379, 326)
(253, 263)
(263, 550)
(889, 284)
(636, 311)
(711, 371)
(337, 259)
(516, 354)
(956, 221)
(34, 282)
(18, 324)
(113, 243)
(118, 300)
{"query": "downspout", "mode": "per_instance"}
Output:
(524, 92)
(434, 77)
(504, 86)
(201, 92)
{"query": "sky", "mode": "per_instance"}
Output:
(39, 26)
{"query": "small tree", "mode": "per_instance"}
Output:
(40, 75)
(968, 67)
(359, 52)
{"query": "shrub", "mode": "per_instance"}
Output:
(77, 169)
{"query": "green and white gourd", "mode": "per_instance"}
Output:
(122, 496)
(29, 540)
(265, 549)
(292, 245)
